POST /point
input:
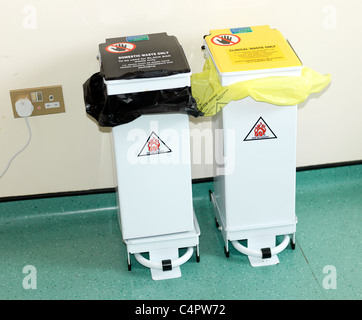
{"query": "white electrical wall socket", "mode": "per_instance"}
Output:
(45, 100)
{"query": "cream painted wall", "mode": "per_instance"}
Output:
(55, 42)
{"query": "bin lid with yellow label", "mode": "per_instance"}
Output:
(252, 50)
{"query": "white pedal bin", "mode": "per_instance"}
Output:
(255, 146)
(152, 152)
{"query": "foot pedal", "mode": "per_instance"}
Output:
(165, 256)
(263, 243)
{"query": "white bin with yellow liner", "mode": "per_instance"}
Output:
(254, 146)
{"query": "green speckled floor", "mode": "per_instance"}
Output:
(76, 247)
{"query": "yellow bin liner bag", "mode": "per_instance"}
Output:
(252, 49)
(211, 97)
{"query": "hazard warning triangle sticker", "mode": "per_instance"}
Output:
(260, 131)
(154, 145)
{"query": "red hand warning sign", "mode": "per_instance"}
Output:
(154, 145)
(225, 39)
(121, 47)
(260, 131)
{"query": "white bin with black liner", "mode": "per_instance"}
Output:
(255, 146)
(146, 100)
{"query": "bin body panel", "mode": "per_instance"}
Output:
(154, 189)
(255, 188)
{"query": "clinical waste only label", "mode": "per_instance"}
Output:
(256, 54)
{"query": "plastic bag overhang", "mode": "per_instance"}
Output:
(211, 97)
(114, 110)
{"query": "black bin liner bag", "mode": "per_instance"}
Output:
(113, 110)
(135, 57)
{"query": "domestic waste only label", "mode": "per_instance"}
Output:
(145, 60)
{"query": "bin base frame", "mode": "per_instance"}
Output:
(163, 250)
(261, 250)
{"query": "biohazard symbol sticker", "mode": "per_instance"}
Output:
(121, 47)
(225, 39)
(260, 131)
(154, 145)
